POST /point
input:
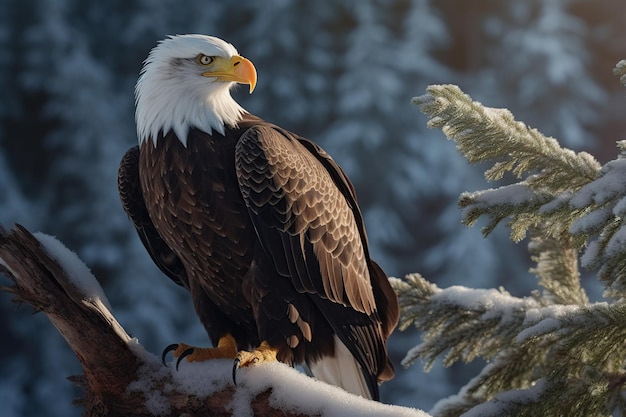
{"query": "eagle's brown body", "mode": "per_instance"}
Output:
(263, 228)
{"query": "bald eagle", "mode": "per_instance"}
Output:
(259, 224)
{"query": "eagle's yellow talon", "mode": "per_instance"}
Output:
(264, 353)
(226, 349)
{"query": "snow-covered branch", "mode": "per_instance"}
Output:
(466, 323)
(537, 353)
(521, 150)
(122, 379)
(484, 134)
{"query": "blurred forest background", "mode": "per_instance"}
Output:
(339, 72)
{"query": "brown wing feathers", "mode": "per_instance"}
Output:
(303, 201)
(135, 207)
(311, 230)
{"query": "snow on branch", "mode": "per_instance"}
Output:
(484, 134)
(466, 323)
(122, 379)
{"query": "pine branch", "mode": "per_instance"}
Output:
(575, 351)
(543, 399)
(516, 201)
(122, 379)
(485, 134)
(581, 371)
(467, 323)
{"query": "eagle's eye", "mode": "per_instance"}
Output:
(204, 59)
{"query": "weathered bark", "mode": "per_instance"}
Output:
(97, 339)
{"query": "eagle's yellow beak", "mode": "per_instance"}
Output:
(237, 69)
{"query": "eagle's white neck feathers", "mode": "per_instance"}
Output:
(172, 94)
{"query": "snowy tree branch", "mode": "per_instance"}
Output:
(122, 379)
(547, 350)
(476, 129)
(484, 134)
(93, 334)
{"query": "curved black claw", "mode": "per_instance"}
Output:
(183, 355)
(235, 367)
(167, 350)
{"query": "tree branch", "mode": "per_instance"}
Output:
(120, 377)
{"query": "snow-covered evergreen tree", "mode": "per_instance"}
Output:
(553, 352)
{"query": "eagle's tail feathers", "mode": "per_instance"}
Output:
(342, 370)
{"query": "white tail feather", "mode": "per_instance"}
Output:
(341, 370)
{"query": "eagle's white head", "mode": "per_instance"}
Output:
(185, 82)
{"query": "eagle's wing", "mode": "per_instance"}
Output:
(129, 188)
(305, 213)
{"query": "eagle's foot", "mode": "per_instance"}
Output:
(226, 349)
(264, 353)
